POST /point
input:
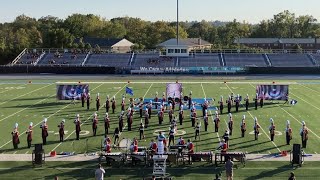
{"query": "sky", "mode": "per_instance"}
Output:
(252, 11)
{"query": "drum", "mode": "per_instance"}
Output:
(125, 144)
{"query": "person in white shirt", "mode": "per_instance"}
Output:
(99, 174)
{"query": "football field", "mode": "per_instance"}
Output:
(23, 102)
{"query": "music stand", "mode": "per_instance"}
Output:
(38, 155)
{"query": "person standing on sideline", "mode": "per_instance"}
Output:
(229, 169)
(99, 174)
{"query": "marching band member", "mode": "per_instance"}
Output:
(61, 130)
(44, 132)
(78, 126)
(221, 104)
(226, 137)
(247, 102)
(149, 108)
(95, 124)
(190, 148)
(216, 122)
(131, 105)
(181, 116)
(181, 101)
(116, 135)
(288, 133)
(193, 116)
(243, 125)
(108, 148)
(170, 112)
(106, 124)
(204, 107)
(261, 100)
(190, 100)
(141, 107)
(15, 136)
(197, 133)
(107, 104)
(230, 124)
(123, 103)
(160, 115)
(272, 129)
(98, 102)
(146, 118)
(156, 99)
(29, 134)
(153, 147)
(141, 130)
(223, 146)
(171, 135)
(256, 128)
(181, 141)
(113, 104)
(231, 98)
(121, 121)
(237, 101)
(174, 124)
(129, 118)
(256, 102)
(304, 134)
(88, 101)
(229, 102)
(163, 97)
(83, 97)
(107, 140)
(160, 145)
(206, 120)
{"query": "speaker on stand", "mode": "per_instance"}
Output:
(297, 155)
(38, 156)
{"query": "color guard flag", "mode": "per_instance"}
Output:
(129, 91)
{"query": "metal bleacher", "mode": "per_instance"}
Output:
(290, 60)
(200, 60)
(242, 60)
(108, 59)
(65, 58)
(153, 60)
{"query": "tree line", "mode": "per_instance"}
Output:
(52, 32)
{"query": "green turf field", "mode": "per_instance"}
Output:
(23, 103)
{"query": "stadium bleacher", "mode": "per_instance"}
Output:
(241, 60)
(105, 59)
(290, 60)
(200, 60)
(62, 58)
(29, 58)
(153, 60)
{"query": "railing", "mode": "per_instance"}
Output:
(85, 59)
(19, 56)
(268, 59)
(39, 58)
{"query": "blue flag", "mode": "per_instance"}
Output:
(129, 91)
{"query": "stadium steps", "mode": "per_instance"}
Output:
(312, 59)
(177, 64)
(222, 60)
(267, 59)
(86, 59)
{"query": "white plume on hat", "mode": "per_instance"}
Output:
(216, 113)
(114, 97)
(247, 95)
(107, 114)
(288, 122)
(63, 120)
(303, 123)
(108, 96)
(156, 92)
(16, 125)
(238, 95)
(98, 94)
(78, 115)
(95, 114)
(84, 90)
(230, 115)
(89, 94)
(45, 120)
(271, 120)
(244, 117)
(190, 92)
(31, 124)
(255, 119)
(163, 93)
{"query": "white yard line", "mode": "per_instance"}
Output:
(165, 82)
(86, 120)
(309, 88)
(26, 94)
(42, 121)
(211, 113)
(11, 89)
(305, 101)
(253, 118)
(25, 108)
(294, 118)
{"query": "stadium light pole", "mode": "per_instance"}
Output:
(177, 22)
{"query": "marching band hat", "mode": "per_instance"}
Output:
(31, 124)
(45, 120)
(98, 94)
(230, 115)
(190, 92)
(271, 120)
(244, 117)
(16, 125)
(63, 120)
(89, 94)
(255, 119)
(108, 96)
(303, 123)
(288, 122)
(107, 114)
(78, 115)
